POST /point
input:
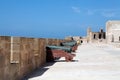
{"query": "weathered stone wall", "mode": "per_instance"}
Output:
(6, 69)
(19, 55)
(96, 37)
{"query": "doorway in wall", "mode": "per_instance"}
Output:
(94, 36)
(112, 38)
(81, 41)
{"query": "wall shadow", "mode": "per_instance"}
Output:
(38, 72)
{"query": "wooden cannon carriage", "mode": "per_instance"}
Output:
(54, 52)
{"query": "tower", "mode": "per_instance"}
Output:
(88, 34)
(101, 30)
(88, 31)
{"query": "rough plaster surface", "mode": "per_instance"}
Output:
(93, 62)
(113, 31)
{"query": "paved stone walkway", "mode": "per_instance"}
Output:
(92, 62)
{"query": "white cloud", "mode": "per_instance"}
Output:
(108, 14)
(90, 12)
(102, 12)
(76, 9)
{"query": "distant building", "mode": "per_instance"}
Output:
(95, 37)
(76, 38)
(68, 38)
(83, 40)
(111, 36)
(92, 37)
(79, 39)
(113, 32)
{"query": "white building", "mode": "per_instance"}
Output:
(113, 31)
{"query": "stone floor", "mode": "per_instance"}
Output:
(92, 62)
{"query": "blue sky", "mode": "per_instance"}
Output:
(55, 18)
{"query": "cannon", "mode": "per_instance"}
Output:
(64, 48)
(72, 44)
(55, 52)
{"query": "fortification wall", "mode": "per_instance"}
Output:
(19, 55)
